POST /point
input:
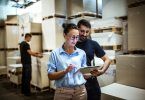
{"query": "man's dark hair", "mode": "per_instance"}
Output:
(84, 23)
(28, 35)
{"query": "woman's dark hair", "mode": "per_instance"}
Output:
(84, 23)
(28, 35)
(68, 26)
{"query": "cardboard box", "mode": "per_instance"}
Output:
(12, 19)
(114, 8)
(18, 19)
(117, 91)
(136, 31)
(12, 36)
(2, 58)
(107, 38)
(31, 28)
(91, 17)
(129, 2)
(14, 68)
(12, 57)
(36, 43)
(16, 79)
(51, 7)
(39, 71)
(75, 6)
(2, 38)
(52, 33)
(113, 53)
(130, 70)
(104, 23)
(3, 70)
(108, 77)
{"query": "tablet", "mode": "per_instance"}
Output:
(88, 69)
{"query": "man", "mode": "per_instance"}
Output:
(26, 53)
(91, 48)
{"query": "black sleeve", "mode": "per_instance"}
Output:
(27, 46)
(99, 52)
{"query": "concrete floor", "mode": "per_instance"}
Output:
(9, 91)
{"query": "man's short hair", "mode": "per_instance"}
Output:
(84, 23)
(28, 35)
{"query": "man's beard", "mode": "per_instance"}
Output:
(83, 38)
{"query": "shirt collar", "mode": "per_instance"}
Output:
(63, 51)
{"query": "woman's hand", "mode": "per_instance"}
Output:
(69, 68)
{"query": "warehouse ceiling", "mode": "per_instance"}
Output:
(3, 2)
(17, 3)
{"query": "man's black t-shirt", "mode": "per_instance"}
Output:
(25, 56)
(91, 47)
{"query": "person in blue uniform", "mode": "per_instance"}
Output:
(91, 48)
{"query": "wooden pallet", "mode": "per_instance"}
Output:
(83, 14)
(116, 30)
(136, 52)
(45, 50)
(54, 16)
(113, 61)
(114, 47)
(3, 76)
(40, 89)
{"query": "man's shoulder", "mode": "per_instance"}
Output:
(93, 42)
(23, 42)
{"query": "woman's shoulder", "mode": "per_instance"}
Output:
(80, 50)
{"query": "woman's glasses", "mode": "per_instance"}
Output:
(74, 37)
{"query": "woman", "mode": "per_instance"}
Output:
(64, 64)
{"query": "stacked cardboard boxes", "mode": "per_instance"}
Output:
(136, 32)
(15, 71)
(2, 48)
(130, 68)
(129, 79)
(40, 74)
(53, 16)
(108, 33)
(78, 10)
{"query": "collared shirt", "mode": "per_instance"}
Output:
(59, 60)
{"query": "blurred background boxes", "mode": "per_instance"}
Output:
(136, 31)
(131, 70)
(117, 91)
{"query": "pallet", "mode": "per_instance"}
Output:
(46, 50)
(114, 47)
(137, 52)
(40, 89)
(3, 76)
(83, 14)
(116, 30)
(113, 62)
(54, 16)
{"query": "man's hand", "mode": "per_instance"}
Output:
(97, 72)
(39, 54)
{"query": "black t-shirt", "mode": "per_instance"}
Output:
(25, 56)
(91, 48)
